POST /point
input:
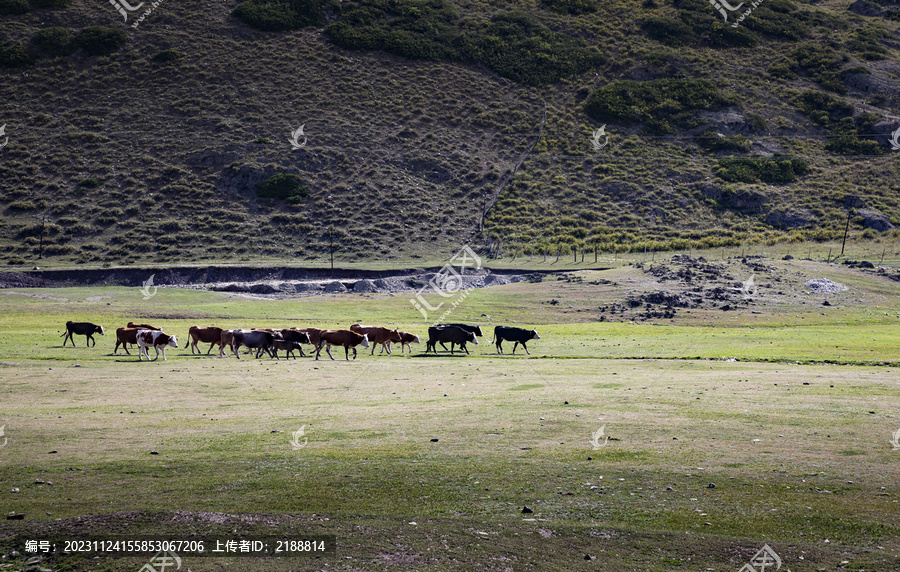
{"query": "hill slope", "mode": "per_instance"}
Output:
(153, 152)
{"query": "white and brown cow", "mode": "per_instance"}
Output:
(378, 335)
(405, 339)
(154, 339)
(345, 338)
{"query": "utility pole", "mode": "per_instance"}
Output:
(846, 230)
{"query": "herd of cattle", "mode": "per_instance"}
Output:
(289, 340)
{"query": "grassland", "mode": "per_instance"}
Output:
(798, 450)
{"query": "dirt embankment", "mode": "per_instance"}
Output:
(258, 280)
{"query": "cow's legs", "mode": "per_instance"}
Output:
(463, 346)
(525, 348)
(210, 348)
(328, 350)
(515, 345)
(499, 346)
(89, 339)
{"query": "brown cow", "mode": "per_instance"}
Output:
(227, 339)
(211, 335)
(125, 336)
(344, 338)
(142, 326)
(405, 339)
(378, 335)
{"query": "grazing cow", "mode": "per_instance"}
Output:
(253, 339)
(405, 339)
(378, 335)
(227, 339)
(292, 335)
(125, 336)
(86, 329)
(142, 326)
(474, 329)
(312, 333)
(211, 335)
(286, 345)
(345, 338)
(517, 335)
(155, 339)
(452, 334)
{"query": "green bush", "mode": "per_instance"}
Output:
(166, 56)
(706, 23)
(283, 186)
(779, 169)
(661, 104)
(54, 42)
(519, 48)
(712, 141)
(100, 41)
(822, 65)
(14, 7)
(50, 4)
(15, 57)
(852, 145)
(281, 15)
(780, 19)
(824, 109)
(89, 183)
(574, 7)
(668, 31)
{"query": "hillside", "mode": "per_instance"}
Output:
(452, 122)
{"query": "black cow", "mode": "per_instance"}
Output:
(291, 335)
(517, 335)
(474, 329)
(452, 334)
(287, 346)
(254, 339)
(82, 329)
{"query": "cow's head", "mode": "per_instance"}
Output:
(394, 335)
(534, 335)
(99, 330)
(478, 331)
(365, 340)
(172, 342)
(472, 338)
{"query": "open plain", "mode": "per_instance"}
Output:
(674, 415)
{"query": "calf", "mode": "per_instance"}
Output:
(405, 339)
(254, 339)
(86, 329)
(312, 333)
(517, 335)
(125, 336)
(292, 335)
(345, 338)
(287, 346)
(378, 335)
(155, 339)
(474, 329)
(211, 335)
(452, 334)
(227, 339)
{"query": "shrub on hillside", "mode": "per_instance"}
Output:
(14, 7)
(89, 183)
(713, 141)
(100, 41)
(854, 145)
(824, 109)
(574, 7)
(166, 56)
(822, 65)
(668, 31)
(281, 15)
(54, 42)
(50, 4)
(15, 57)
(518, 47)
(283, 186)
(661, 104)
(706, 23)
(780, 19)
(779, 169)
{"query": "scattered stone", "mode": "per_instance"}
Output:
(526, 510)
(15, 516)
(434, 440)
